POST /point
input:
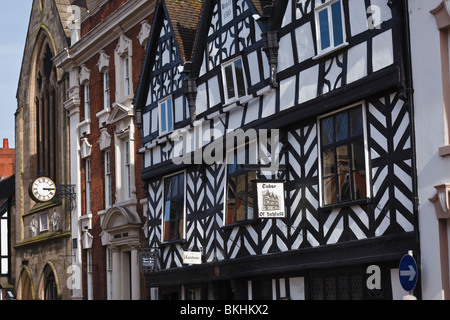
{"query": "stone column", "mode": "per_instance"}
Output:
(135, 276)
(116, 274)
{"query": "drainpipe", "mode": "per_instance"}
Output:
(408, 80)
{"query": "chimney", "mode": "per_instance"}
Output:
(5, 144)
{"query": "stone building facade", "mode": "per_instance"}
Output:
(42, 242)
(103, 65)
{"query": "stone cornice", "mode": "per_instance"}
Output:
(123, 19)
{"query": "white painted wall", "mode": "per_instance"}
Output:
(430, 135)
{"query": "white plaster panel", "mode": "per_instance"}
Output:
(269, 102)
(287, 19)
(179, 108)
(383, 52)
(149, 97)
(147, 158)
(235, 118)
(305, 42)
(287, 93)
(357, 62)
(202, 101)
(380, 9)
(308, 84)
(146, 123)
(252, 111)
(266, 67)
(214, 91)
(253, 67)
(358, 16)
(285, 56)
(156, 154)
(154, 120)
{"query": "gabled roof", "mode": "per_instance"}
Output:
(260, 4)
(184, 16)
(204, 24)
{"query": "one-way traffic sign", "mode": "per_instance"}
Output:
(408, 273)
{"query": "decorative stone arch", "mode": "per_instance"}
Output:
(121, 226)
(25, 287)
(49, 272)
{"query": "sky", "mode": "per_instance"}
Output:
(14, 18)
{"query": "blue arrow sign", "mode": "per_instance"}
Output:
(408, 273)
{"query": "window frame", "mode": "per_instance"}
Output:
(346, 142)
(332, 47)
(87, 101)
(106, 91)
(43, 223)
(127, 169)
(88, 180)
(248, 193)
(181, 237)
(168, 123)
(126, 75)
(236, 96)
(108, 179)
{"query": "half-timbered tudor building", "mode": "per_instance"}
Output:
(102, 67)
(317, 95)
(7, 191)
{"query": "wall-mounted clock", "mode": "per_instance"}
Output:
(42, 189)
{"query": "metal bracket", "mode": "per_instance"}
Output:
(67, 191)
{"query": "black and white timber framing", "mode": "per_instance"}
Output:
(370, 69)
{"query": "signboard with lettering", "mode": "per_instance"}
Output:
(148, 260)
(190, 257)
(270, 198)
(226, 8)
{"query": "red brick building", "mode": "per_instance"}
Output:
(103, 67)
(7, 163)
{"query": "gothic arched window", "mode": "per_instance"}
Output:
(46, 113)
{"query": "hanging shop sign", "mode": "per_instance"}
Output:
(148, 260)
(270, 198)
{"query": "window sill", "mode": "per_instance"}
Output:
(103, 116)
(172, 242)
(346, 204)
(85, 127)
(240, 224)
(444, 151)
(329, 51)
(239, 102)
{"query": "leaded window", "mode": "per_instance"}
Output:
(240, 200)
(174, 200)
(343, 157)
